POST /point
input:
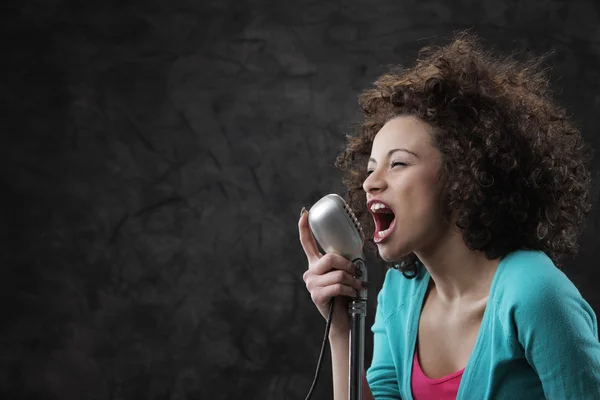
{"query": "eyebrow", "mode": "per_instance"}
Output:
(392, 151)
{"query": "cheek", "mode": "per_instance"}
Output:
(421, 208)
(422, 197)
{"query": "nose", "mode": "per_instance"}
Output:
(375, 182)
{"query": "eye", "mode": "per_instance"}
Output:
(394, 164)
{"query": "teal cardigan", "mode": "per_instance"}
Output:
(538, 337)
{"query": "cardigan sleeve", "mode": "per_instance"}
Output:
(559, 334)
(381, 375)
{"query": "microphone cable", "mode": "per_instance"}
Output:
(323, 346)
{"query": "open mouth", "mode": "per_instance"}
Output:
(384, 220)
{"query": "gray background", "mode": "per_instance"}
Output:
(156, 154)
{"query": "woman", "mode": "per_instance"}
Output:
(471, 180)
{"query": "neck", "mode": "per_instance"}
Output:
(458, 273)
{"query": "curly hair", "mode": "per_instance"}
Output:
(513, 164)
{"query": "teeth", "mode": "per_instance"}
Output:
(377, 206)
(383, 233)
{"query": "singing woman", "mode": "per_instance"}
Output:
(473, 183)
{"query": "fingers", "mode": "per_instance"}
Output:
(323, 295)
(332, 261)
(307, 239)
(314, 282)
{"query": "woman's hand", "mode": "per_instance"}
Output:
(329, 275)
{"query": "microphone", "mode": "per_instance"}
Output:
(337, 230)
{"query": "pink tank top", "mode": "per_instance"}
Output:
(423, 388)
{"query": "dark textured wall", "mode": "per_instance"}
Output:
(155, 156)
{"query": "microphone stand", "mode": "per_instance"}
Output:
(357, 309)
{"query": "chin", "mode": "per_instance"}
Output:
(392, 252)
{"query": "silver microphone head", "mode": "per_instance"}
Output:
(336, 228)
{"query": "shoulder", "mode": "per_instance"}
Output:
(533, 291)
(530, 277)
(555, 327)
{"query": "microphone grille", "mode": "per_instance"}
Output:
(352, 217)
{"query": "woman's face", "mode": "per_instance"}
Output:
(404, 168)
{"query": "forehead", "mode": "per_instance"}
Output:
(406, 132)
